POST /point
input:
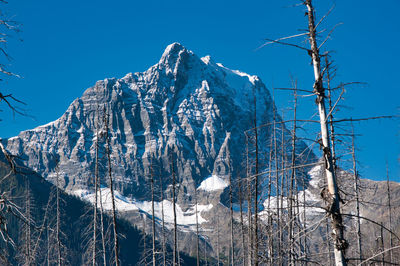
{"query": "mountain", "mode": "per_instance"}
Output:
(185, 112)
(195, 118)
(185, 106)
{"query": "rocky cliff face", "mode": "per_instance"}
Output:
(186, 112)
(184, 109)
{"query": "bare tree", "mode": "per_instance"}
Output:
(390, 212)
(175, 257)
(255, 185)
(232, 247)
(96, 186)
(58, 232)
(332, 195)
(197, 229)
(114, 214)
(103, 235)
(249, 216)
(278, 209)
(153, 222)
(163, 222)
(292, 182)
(218, 256)
(356, 190)
(242, 227)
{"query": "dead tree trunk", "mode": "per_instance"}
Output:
(292, 181)
(382, 245)
(205, 252)
(28, 252)
(390, 213)
(144, 240)
(333, 197)
(304, 221)
(103, 238)
(58, 219)
(249, 231)
(270, 221)
(241, 222)
(356, 190)
(48, 246)
(218, 258)
(283, 175)
(231, 213)
(197, 230)
(332, 128)
(328, 246)
(153, 222)
(278, 220)
(255, 188)
(96, 180)
(163, 222)
(114, 214)
(174, 210)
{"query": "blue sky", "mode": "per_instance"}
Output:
(68, 45)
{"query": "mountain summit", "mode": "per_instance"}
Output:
(184, 109)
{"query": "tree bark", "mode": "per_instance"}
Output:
(292, 181)
(114, 214)
(163, 222)
(390, 212)
(278, 220)
(58, 220)
(103, 238)
(153, 222)
(255, 187)
(231, 213)
(197, 230)
(241, 222)
(96, 178)
(249, 233)
(174, 210)
(356, 190)
(334, 201)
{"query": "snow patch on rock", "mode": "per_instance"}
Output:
(124, 204)
(213, 183)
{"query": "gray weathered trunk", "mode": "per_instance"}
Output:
(114, 214)
(333, 194)
(356, 190)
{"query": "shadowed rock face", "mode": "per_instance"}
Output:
(184, 107)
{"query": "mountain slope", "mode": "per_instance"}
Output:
(184, 112)
(76, 221)
(184, 106)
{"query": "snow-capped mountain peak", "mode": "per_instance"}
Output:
(184, 107)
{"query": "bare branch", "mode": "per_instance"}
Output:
(376, 255)
(348, 84)
(280, 39)
(337, 101)
(271, 41)
(364, 119)
(329, 35)
(372, 221)
(325, 16)
(293, 89)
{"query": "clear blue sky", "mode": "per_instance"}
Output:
(68, 45)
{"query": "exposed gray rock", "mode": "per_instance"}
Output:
(184, 106)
